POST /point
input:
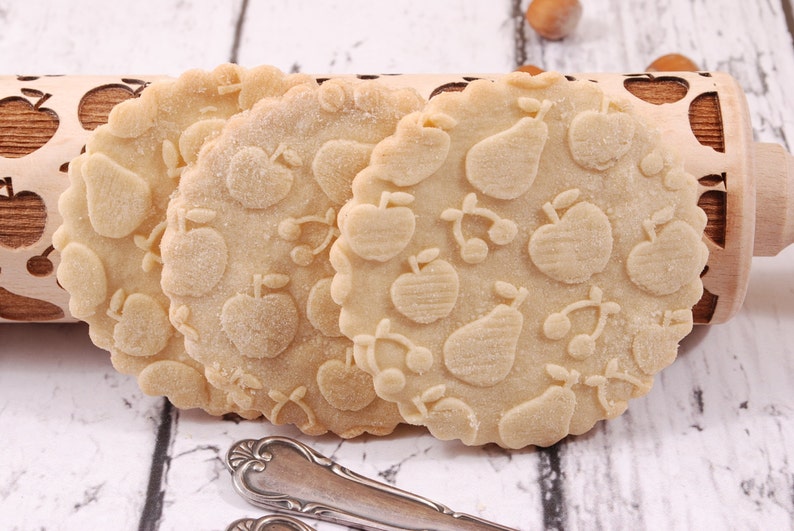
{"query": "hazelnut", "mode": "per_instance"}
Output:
(673, 62)
(530, 69)
(554, 19)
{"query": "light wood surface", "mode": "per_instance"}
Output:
(709, 448)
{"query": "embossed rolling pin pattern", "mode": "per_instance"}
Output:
(743, 186)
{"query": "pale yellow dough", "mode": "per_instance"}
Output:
(518, 260)
(245, 255)
(113, 219)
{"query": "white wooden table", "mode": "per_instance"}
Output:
(712, 445)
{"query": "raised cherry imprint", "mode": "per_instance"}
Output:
(613, 408)
(389, 381)
(557, 325)
(474, 250)
(303, 254)
(261, 326)
(574, 247)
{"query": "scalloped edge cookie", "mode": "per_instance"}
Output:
(113, 218)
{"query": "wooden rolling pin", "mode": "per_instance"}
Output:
(744, 186)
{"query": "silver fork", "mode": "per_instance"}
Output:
(284, 475)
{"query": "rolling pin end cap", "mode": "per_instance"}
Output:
(774, 200)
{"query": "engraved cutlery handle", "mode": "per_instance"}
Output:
(269, 523)
(281, 474)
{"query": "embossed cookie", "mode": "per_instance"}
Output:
(114, 217)
(518, 260)
(245, 255)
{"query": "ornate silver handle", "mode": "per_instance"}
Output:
(281, 474)
(269, 523)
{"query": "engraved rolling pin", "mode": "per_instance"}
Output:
(743, 185)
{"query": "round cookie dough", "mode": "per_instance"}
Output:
(114, 216)
(245, 255)
(518, 260)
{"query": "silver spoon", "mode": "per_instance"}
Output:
(284, 475)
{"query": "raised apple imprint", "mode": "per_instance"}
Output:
(344, 385)
(258, 180)
(573, 248)
(142, 327)
(119, 200)
(418, 148)
(558, 324)
(483, 351)
(195, 259)
(475, 250)
(336, 163)
(261, 326)
(429, 292)
(321, 310)
(656, 346)
(389, 380)
(296, 396)
(545, 419)
(504, 165)
(23, 216)
(614, 408)
(598, 139)
(380, 232)
(670, 259)
(303, 254)
(24, 126)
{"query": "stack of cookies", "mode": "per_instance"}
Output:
(508, 263)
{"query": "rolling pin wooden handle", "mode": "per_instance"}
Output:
(745, 188)
(774, 199)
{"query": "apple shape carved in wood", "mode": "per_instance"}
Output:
(23, 216)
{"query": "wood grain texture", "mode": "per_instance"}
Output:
(710, 447)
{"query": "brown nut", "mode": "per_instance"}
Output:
(673, 62)
(554, 19)
(530, 69)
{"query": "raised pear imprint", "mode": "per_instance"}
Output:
(483, 351)
(545, 419)
(504, 165)
(335, 165)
